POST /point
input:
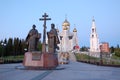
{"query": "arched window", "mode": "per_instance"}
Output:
(93, 30)
(92, 36)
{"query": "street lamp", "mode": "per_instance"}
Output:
(101, 62)
(25, 49)
(3, 46)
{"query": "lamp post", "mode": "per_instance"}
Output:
(101, 62)
(25, 49)
(3, 46)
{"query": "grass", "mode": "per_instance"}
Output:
(115, 57)
(83, 57)
(19, 57)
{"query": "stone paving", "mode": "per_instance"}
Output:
(71, 71)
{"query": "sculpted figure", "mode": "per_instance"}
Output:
(32, 39)
(53, 39)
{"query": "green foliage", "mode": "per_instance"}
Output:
(13, 47)
(117, 52)
(84, 57)
(112, 49)
(39, 46)
(115, 57)
(19, 57)
(84, 48)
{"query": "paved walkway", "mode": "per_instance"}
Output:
(72, 56)
(72, 71)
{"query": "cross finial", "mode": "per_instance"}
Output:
(93, 19)
(66, 16)
(74, 26)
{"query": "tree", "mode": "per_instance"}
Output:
(112, 49)
(39, 46)
(117, 52)
(84, 48)
(9, 47)
(117, 45)
(0, 49)
(22, 47)
(16, 46)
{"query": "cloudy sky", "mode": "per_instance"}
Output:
(18, 16)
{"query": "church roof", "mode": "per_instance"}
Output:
(93, 19)
(74, 30)
(66, 23)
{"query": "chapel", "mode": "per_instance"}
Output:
(68, 39)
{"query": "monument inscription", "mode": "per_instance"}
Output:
(36, 56)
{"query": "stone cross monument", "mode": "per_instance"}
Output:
(44, 31)
(35, 60)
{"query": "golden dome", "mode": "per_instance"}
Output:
(65, 28)
(74, 30)
(66, 23)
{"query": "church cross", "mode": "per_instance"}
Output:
(44, 25)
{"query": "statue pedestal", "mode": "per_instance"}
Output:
(36, 60)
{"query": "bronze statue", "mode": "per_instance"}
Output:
(53, 39)
(32, 39)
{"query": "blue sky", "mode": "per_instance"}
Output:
(18, 16)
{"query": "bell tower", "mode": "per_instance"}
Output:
(94, 41)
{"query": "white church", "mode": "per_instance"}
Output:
(67, 39)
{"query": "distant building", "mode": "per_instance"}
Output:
(104, 47)
(94, 40)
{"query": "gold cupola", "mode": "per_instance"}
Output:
(74, 30)
(66, 23)
(65, 28)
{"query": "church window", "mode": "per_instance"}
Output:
(92, 36)
(70, 37)
(93, 30)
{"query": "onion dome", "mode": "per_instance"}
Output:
(65, 28)
(74, 30)
(57, 30)
(66, 23)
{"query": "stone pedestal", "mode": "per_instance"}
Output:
(33, 60)
(64, 58)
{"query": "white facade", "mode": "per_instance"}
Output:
(94, 41)
(67, 39)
